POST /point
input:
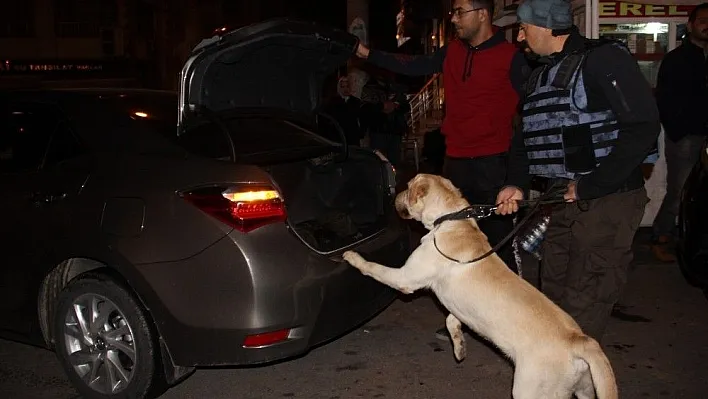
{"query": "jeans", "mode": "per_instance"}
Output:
(681, 156)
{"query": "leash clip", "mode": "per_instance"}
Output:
(483, 211)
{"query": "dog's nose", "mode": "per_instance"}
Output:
(403, 213)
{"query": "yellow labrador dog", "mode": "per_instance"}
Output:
(552, 356)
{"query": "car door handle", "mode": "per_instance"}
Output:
(40, 199)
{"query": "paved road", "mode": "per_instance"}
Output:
(658, 345)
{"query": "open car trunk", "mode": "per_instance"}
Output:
(334, 203)
(251, 82)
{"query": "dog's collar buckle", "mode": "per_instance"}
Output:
(471, 212)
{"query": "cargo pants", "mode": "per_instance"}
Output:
(586, 255)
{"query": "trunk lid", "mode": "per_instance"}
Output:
(274, 64)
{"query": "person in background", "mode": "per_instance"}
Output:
(384, 116)
(346, 110)
(682, 98)
(483, 75)
(588, 122)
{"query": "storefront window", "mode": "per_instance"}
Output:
(648, 42)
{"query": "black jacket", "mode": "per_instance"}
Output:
(630, 98)
(682, 92)
(373, 118)
(347, 112)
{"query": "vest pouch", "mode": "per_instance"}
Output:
(578, 149)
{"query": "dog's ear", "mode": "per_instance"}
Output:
(418, 191)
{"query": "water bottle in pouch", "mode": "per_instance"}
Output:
(531, 241)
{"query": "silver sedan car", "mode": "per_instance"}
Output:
(147, 233)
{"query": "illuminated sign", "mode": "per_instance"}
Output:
(18, 67)
(616, 9)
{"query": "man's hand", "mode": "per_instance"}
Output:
(362, 51)
(570, 195)
(506, 200)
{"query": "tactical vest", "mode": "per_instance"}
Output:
(557, 124)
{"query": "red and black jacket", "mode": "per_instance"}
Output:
(482, 88)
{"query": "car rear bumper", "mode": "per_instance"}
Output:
(210, 303)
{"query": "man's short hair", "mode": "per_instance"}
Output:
(484, 4)
(694, 13)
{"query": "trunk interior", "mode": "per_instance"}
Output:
(332, 201)
(332, 204)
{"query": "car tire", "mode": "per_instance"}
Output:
(112, 354)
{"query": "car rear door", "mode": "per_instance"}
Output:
(36, 142)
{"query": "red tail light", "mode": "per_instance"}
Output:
(245, 208)
(266, 339)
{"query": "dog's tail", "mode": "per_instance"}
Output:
(603, 378)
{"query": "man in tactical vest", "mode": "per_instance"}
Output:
(589, 121)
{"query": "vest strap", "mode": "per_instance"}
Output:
(567, 69)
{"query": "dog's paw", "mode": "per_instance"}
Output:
(460, 348)
(353, 258)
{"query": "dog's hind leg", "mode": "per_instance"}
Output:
(454, 327)
(533, 381)
(585, 389)
(405, 279)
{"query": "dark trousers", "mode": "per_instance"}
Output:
(681, 156)
(586, 255)
(479, 180)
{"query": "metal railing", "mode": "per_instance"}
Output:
(429, 98)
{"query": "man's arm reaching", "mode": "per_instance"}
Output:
(410, 65)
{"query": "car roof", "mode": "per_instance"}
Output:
(99, 114)
(78, 94)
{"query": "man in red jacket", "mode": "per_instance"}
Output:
(483, 77)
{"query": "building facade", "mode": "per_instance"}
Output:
(143, 40)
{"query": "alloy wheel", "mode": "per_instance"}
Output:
(99, 343)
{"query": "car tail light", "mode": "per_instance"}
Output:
(244, 208)
(266, 339)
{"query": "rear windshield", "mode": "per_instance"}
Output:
(254, 136)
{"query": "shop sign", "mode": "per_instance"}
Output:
(616, 9)
(43, 67)
(70, 68)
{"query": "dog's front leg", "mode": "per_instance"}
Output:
(454, 327)
(399, 279)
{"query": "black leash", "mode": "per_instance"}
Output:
(554, 195)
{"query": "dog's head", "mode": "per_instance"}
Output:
(427, 198)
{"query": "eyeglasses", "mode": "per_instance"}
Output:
(459, 12)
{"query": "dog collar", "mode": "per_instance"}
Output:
(471, 212)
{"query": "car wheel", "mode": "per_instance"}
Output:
(104, 340)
